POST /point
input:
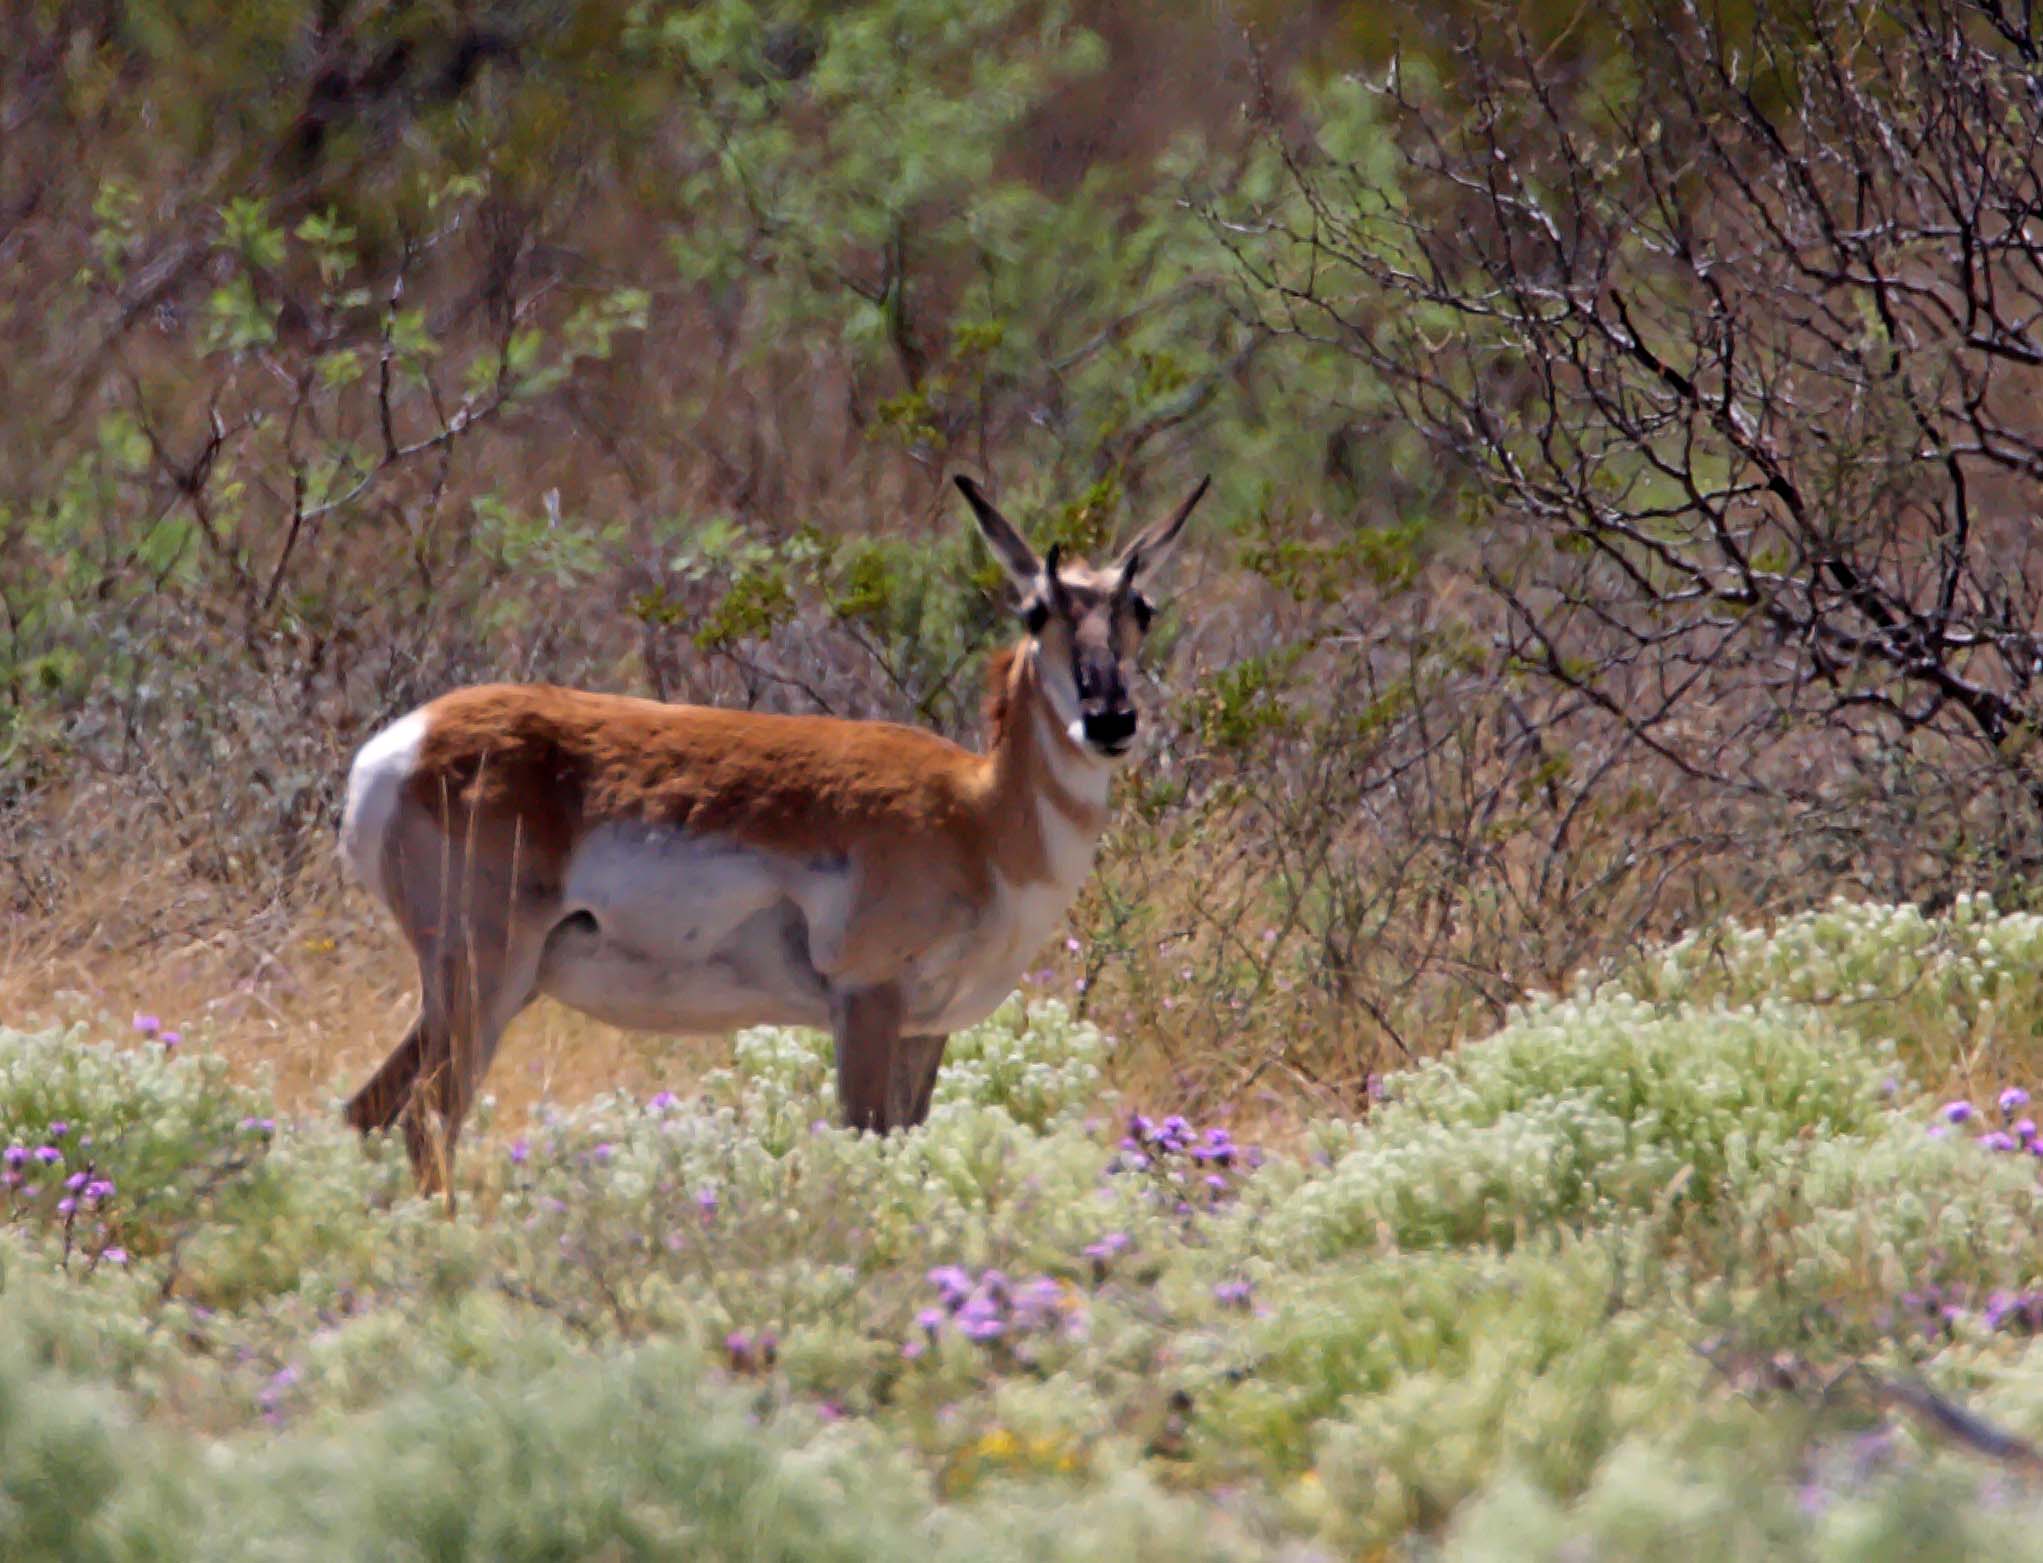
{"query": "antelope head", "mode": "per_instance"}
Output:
(1085, 625)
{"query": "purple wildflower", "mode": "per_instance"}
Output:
(1038, 1300)
(1217, 1148)
(76, 1181)
(979, 1321)
(59, 1129)
(15, 1155)
(1108, 1246)
(1955, 1112)
(147, 1024)
(2012, 1099)
(1997, 1141)
(66, 1205)
(603, 1152)
(99, 1189)
(952, 1282)
(48, 1155)
(273, 1391)
(705, 1201)
(1233, 1294)
(2020, 1312)
(114, 1256)
(171, 1038)
(521, 1151)
(663, 1102)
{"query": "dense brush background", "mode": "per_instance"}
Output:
(1625, 455)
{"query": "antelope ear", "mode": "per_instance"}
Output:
(1008, 545)
(1150, 547)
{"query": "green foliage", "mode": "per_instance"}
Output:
(1248, 702)
(1509, 1314)
(630, 344)
(613, 344)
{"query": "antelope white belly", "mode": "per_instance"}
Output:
(664, 931)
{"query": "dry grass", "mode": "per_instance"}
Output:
(308, 996)
(308, 992)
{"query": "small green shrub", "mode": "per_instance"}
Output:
(1624, 1278)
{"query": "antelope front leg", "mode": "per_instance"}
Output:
(867, 1027)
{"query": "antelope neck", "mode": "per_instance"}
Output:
(1044, 786)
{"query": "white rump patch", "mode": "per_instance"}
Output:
(375, 781)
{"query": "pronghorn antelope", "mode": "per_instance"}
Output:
(684, 868)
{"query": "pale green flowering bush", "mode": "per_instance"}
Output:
(1601, 1285)
(60, 1456)
(1939, 989)
(1598, 1104)
(1039, 1065)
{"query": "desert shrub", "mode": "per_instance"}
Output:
(1592, 1106)
(121, 1147)
(62, 1452)
(1639, 1266)
(1957, 995)
(119, 1153)
(1653, 1501)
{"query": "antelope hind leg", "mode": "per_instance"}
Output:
(383, 1095)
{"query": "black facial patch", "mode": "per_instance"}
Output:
(1143, 609)
(1035, 615)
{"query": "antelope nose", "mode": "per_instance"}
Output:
(1111, 730)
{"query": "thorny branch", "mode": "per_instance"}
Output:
(1745, 368)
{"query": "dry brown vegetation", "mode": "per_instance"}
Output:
(361, 354)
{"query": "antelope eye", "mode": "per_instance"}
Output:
(1036, 615)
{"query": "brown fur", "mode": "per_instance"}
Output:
(554, 758)
(508, 780)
